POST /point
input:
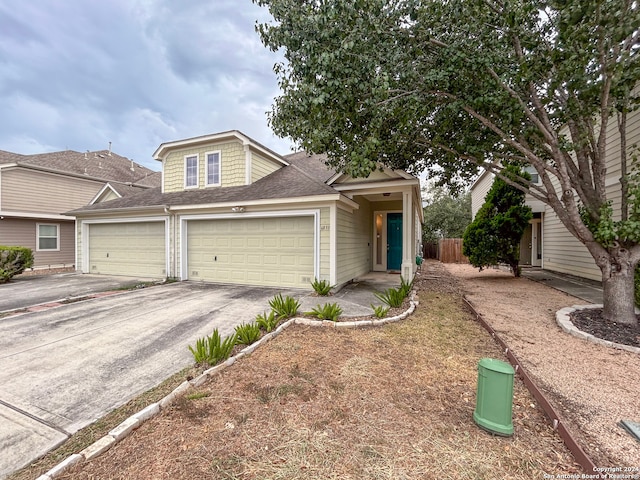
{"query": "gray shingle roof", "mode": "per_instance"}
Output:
(286, 182)
(313, 165)
(100, 165)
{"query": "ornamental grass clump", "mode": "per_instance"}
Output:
(392, 297)
(212, 349)
(267, 321)
(285, 307)
(321, 287)
(328, 311)
(247, 333)
(380, 311)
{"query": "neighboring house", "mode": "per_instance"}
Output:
(547, 243)
(232, 211)
(35, 191)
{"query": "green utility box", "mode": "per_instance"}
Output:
(494, 402)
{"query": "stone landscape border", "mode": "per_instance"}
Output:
(136, 420)
(563, 319)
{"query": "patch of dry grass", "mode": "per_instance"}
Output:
(388, 403)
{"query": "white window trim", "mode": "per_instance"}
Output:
(57, 249)
(186, 158)
(206, 160)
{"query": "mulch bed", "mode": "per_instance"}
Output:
(590, 320)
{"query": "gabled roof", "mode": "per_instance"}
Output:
(163, 150)
(313, 165)
(285, 183)
(119, 189)
(101, 165)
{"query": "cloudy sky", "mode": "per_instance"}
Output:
(76, 74)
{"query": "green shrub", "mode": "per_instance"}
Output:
(200, 350)
(392, 297)
(247, 333)
(321, 287)
(380, 311)
(328, 311)
(284, 307)
(14, 261)
(405, 287)
(267, 322)
(213, 349)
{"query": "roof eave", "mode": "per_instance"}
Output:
(164, 148)
(100, 211)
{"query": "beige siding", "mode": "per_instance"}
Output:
(261, 167)
(479, 192)
(325, 244)
(25, 190)
(22, 233)
(232, 170)
(106, 196)
(354, 242)
(562, 252)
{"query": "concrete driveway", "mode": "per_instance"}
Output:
(63, 368)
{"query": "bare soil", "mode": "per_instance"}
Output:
(594, 387)
(394, 402)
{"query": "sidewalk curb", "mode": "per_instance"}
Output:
(563, 319)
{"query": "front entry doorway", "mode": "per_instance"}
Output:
(387, 241)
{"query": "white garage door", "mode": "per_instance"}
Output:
(134, 249)
(255, 251)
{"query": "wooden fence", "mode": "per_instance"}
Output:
(447, 250)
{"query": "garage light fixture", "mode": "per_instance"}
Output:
(237, 209)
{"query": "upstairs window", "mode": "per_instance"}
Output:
(213, 168)
(48, 236)
(191, 171)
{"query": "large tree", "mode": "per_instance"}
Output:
(445, 215)
(452, 85)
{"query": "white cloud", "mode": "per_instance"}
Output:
(80, 73)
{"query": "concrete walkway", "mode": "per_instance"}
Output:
(588, 290)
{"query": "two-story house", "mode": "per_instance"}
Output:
(233, 211)
(35, 191)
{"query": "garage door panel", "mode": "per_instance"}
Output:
(134, 249)
(262, 251)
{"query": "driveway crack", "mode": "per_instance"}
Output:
(37, 419)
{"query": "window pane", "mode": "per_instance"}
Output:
(47, 243)
(213, 169)
(192, 171)
(47, 230)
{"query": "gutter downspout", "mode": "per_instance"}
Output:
(171, 240)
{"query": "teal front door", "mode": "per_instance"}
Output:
(394, 241)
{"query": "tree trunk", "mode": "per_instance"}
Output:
(515, 269)
(618, 290)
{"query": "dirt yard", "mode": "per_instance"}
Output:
(394, 402)
(592, 386)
